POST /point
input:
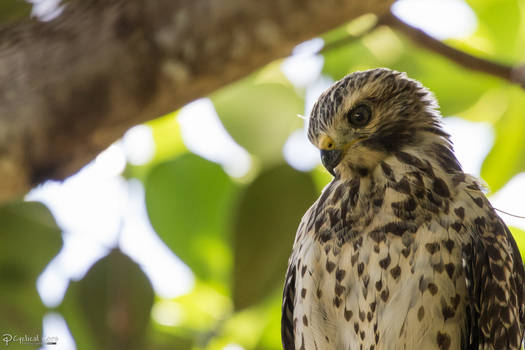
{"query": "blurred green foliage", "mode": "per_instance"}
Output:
(265, 221)
(270, 105)
(507, 156)
(109, 308)
(12, 10)
(236, 234)
(30, 239)
(188, 201)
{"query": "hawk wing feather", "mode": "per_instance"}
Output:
(473, 311)
(495, 278)
(287, 327)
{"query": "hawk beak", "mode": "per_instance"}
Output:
(330, 156)
(330, 159)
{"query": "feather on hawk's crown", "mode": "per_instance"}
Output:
(402, 97)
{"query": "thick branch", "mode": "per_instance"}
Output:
(503, 71)
(70, 87)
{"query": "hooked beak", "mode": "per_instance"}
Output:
(330, 155)
(330, 159)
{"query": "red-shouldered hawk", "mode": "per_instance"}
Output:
(402, 250)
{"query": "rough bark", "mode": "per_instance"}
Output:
(72, 86)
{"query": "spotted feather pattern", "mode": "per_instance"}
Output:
(402, 250)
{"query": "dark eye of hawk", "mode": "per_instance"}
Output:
(359, 116)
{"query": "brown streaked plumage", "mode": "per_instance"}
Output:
(402, 250)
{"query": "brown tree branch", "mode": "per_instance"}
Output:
(506, 72)
(72, 86)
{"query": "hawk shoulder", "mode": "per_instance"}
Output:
(495, 279)
(287, 310)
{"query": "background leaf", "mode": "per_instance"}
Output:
(260, 116)
(267, 218)
(507, 156)
(519, 237)
(162, 340)
(30, 239)
(199, 311)
(501, 30)
(110, 307)
(189, 200)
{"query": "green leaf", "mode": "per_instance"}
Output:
(270, 338)
(489, 108)
(267, 217)
(110, 307)
(259, 116)
(167, 136)
(161, 340)
(189, 200)
(500, 30)
(455, 88)
(30, 239)
(507, 157)
(246, 327)
(193, 313)
(321, 178)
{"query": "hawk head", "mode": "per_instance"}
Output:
(366, 116)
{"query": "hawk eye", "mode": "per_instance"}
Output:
(359, 115)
